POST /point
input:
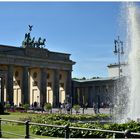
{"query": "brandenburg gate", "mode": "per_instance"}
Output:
(31, 73)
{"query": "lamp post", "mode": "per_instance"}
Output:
(119, 51)
(119, 94)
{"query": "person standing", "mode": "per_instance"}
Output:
(68, 107)
(98, 107)
(95, 108)
(86, 105)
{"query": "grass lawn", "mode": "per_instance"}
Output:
(15, 115)
(18, 129)
(14, 128)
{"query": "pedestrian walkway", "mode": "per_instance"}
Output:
(86, 111)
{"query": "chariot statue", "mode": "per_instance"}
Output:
(30, 42)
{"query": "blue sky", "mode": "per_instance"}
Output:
(86, 30)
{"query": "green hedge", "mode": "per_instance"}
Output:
(71, 120)
(70, 117)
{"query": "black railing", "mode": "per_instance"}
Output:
(67, 129)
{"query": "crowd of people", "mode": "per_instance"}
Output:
(66, 107)
(97, 106)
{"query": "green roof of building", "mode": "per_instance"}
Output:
(96, 79)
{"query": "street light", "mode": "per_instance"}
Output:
(119, 51)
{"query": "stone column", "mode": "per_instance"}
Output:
(56, 89)
(43, 85)
(90, 98)
(10, 83)
(73, 93)
(93, 94)
(25, 86)
(68, 86)
(2, 90)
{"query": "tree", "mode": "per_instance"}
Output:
(84, 78)
(47, 107)
(26, 106)
(7, 106)
(76, 108)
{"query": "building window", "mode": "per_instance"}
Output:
(16, 74)
(35, 83)
(34, 74)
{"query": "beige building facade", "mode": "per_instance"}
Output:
(34, 74)
(113, 70)
(98, 90)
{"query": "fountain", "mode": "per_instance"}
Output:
(131, 14)
(133, 37)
